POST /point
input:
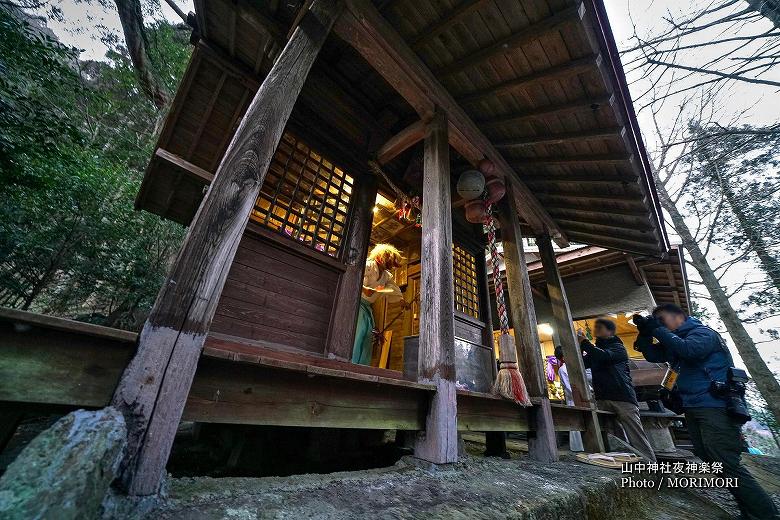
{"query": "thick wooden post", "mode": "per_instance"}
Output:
(345, 311)
(436, 360)
(564, 325)
(154, 387)
(520, 303)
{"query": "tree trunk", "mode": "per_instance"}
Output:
(137, 46)
(765, 380)
(768, 262)
(767, 8)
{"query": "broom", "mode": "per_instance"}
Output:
(509, 382)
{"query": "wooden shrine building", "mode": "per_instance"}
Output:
(293, 131)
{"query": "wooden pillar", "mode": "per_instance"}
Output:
(564, 325)
(436, 359)
(495, 442)
(342, 336)
(154, 387)
(10, 417)
(520, 302)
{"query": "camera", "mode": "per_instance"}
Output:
(645, 324)
(733, 392)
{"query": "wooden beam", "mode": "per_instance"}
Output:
(557, 72)
(582, 106)
(540, 294)
(629, 213)
(463, 145)
(592, 197)
(384, 60)
(373, 37)
(514, 41)
(193, 170)
(622, 244)
(587, 135)
(673, 285)
(10, 417)
(230, 65)
(82, 371)
(154, 387)
(610, 158)
(599, 180)
(436, 361)
(341, 336)
(607, 226)
(571, 349)
(605, 221)
(635, 272)
(520, 304)
(215, 95)
(200, 12)
(26, 320)
(487, 314)
(456, 15)
(298, 16)
(401, 142)
(242, 393)
(259, 21)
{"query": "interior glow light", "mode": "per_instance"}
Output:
(545, 328)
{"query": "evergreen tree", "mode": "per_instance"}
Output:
(75, 138)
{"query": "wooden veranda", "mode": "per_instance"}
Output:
(269, 154)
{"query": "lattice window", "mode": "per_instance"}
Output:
(466, 286)
(305, 196)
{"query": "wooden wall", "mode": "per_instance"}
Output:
(277, 296)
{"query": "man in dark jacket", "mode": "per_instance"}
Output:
(699, 356)
(608, 361)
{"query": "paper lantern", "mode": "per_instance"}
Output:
(471, 184)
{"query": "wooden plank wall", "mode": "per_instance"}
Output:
(277, 297)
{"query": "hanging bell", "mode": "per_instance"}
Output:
(487, 167)
(475, 211)
(496, 189)
(471, 184)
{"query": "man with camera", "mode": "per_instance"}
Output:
(709, 391)
(612, 384)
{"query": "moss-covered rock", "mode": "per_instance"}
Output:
(65, 471)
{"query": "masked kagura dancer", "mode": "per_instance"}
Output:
(377, 283)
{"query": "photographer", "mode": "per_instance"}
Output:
(711, 399)
(608, 361)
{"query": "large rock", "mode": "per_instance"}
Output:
(65, 471)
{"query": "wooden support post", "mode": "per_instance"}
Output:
(564, 325)
(520, 303)
(10, 417)
(342, 337)
(154, 387)
(436, 361)
(495, 442)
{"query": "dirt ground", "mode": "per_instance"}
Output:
(474, 488)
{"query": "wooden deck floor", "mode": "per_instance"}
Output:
(46, 361)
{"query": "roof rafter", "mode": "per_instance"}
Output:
(513, 41)
(363, 27)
